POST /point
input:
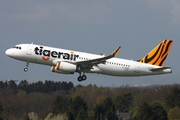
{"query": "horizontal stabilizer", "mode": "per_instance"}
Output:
(159, 69)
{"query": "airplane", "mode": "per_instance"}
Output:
(65, 61)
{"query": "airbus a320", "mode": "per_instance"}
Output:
(65, 61)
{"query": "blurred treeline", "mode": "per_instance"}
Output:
(51, 100)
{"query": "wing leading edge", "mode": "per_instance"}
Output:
(99, 60)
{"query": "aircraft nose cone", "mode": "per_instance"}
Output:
(8, 52)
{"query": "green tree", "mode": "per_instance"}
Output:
(110, 109)
(2, 84)
(70, 115)
(144, 112)
(78, 104)
(82, 115)
(1, 110)
(173, 99)
(158, 112)
(105, 110)
(110, 115)
(123, 102)
(70, 85)
(99, 112)
(173, 113)
(12, 84)
(26, 117)
(59, 105)
(48, 86)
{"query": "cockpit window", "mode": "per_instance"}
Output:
(17, 47)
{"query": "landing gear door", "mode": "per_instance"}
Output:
(29, 49)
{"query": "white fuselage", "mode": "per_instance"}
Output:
(114, 66)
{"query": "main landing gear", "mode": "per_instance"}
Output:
(82, 78)
(26, 68)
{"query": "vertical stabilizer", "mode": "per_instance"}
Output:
(158, 55)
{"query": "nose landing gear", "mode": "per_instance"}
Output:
(26, 68)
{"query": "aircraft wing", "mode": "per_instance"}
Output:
(99, 60)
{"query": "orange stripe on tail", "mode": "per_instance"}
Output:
(158, 55)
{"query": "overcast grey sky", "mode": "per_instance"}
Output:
(95, 26)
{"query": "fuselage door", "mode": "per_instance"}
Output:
(29, 49)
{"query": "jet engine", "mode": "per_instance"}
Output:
(64, 68)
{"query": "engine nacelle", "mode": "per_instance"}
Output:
(64, 68)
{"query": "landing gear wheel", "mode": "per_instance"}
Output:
(79, 78)
(84, 77)
(25, 69)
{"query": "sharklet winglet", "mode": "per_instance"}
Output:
(116, 51)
